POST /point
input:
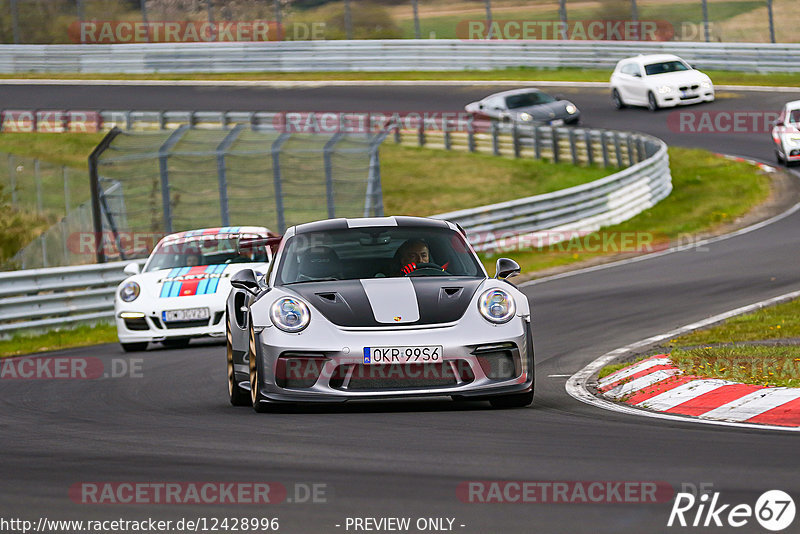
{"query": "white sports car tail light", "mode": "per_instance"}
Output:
(290, 314)
(497, 306)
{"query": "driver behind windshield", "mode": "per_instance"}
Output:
(412, 254)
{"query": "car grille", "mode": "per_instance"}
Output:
(136, 324)
(400, 376)
(694, 87)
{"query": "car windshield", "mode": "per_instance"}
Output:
(203, 250)
(524, 100)
(375, 252)
(665, 67)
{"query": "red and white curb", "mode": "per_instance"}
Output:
(581, 384)
(656, 384)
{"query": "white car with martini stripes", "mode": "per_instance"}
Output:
(376, 308)
(180, 293)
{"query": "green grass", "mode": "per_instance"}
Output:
(70, 149)
(81, 336)
(707, 191)
(422, 181)
(521, 74)
(776, 322)
(754, 364)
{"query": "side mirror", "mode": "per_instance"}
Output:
(131, 269)
(506, 268)
(780, 123)
(637, 75)
(246, 280)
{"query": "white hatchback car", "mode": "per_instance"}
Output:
(658, 81)
(786, 134)
(180, 293)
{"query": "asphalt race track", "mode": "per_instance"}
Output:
(407, 459)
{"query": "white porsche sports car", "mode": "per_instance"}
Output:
(378, 308)
(786, 134)
(180, 293)
(658, 81)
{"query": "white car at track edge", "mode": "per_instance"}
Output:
(180, 293)
(658, 81)
(786, 134)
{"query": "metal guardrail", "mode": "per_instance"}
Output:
(44, 298)
(583, 208)
(383, 55)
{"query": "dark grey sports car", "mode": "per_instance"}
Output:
(378, 308)
(525, 106)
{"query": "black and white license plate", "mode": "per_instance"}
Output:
(384, 355)
(189, 314)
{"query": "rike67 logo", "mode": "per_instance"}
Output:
(774, 510)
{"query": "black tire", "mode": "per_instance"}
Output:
(779, 158)
(259, 404)
(236, 394)
(652, 103)
(134, 347)
(616, 99)
(516, 400)
(176, 343)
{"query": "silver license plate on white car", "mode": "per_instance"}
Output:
(390, 355)
(189, 314)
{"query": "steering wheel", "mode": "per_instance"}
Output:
(431, 268)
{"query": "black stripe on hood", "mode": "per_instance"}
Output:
(345, 303)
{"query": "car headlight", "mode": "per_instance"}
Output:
(290, 314)
(705, 85)
(129, 291)
(571, 109)
(664, 89)
(525, 116)
(794, 140)
(497, 306)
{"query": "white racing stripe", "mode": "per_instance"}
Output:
(625, 373)
(679, 395)
(640, 383)
(393, 300)
(753, 404)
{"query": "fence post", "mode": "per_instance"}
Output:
(94, 178)
(446, 133)
(537, 141)
(15, 20)
(222, 175)
(771, 22)
(421, 132)
(374, 198)
(488, 18)
(604, 146)
(573, 148)
(64, 236)
(37, 179)
(631, 155)
(277, 6)
(562, 15)
(515, 138)
(554, 141)
(471, 134)
(348, 21)
(587, 137)
(706, 29)
(12, 178)
(495, 142)
(326, 158)
(618, 149)
(276, 179)
(415, 8)
(143, 7)
(163, 171)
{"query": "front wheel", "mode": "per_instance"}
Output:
(134, 347)
(652, 103)
(516, 400)
(255, 375)
(236, 394)
(616, 99)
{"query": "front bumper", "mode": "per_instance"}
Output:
(153, 328)
(673, 99)
(476, 365)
